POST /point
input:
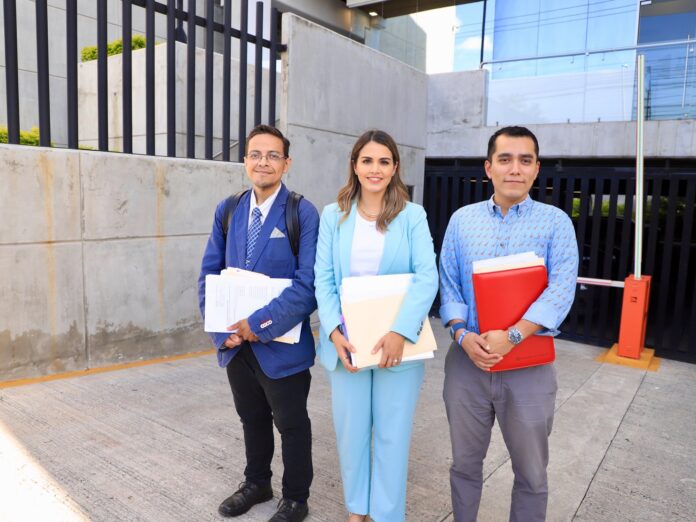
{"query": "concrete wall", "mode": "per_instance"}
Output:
(457, 127)
(334, 89)
(99, 256)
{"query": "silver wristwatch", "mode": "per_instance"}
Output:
(514, 335)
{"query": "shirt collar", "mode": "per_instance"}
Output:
(266, 205)
(521, 208)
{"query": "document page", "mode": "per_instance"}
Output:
(230, 299)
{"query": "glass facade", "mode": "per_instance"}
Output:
(567, 60)
(670, 71)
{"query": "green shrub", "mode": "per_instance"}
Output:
(90, 52)
(30, 137)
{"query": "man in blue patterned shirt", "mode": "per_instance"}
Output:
(522, 400)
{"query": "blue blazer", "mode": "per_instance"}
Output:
(273, 257)
(408, 248)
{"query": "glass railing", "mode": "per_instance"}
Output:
(593, 86)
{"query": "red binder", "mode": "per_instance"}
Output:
(502, 298)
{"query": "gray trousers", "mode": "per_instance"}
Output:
(523, 402)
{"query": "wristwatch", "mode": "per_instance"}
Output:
(514, 335)
(455, 327)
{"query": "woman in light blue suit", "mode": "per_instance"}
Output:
(373, 229)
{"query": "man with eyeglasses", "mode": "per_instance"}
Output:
(269, 380)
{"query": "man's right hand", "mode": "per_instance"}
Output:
(475, 347)
(343, 349)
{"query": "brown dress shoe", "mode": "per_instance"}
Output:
(247, 496)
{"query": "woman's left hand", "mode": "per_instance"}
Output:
(392, 346)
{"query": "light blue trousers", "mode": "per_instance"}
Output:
(378, 403)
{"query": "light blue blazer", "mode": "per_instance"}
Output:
(408, 249)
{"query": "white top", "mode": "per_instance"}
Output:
(367, 249)
(263, 207)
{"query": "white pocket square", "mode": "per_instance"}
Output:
(276, 233)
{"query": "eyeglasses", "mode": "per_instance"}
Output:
(256, 156)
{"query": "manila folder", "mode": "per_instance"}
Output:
(367, 321)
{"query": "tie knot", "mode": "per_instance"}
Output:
(256, 212)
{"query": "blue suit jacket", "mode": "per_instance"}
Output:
(273, 257)
(408, 248)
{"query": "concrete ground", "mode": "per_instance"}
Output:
(162, 442)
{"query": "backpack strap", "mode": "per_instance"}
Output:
(230, 206)
(292, 221)
(292, 217)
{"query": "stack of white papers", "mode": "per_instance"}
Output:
(370, 305)
(496, 264)
(235, 294)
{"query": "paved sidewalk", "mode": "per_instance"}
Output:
(162, 442)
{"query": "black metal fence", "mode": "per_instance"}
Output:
(174, 12)
(599, 197)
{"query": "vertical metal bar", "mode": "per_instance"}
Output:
(595, 233)
(209, 80)
(102, 77)
(43, 73)
(258, 65)
(226, 80)
(454, 195)
(273, 53)
(596, 230)
(654, 227)
(582, 219)
(483, 31)
(666, 262)
(171, 79)
(466, 192)
(607, 295)
(556, 191)
(71, 70)
(626, 228)
(191, 82)
(11, 70)
(569, 196)
(180, 33)
(244, 26)
(478, 188)
(640, 118)
(150, 78)
(541, 187)
(127, 73)
(684, 251)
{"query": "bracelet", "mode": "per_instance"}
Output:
(461, 336)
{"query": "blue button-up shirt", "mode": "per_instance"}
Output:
(480, 231)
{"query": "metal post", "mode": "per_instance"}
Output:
(244, 24)
(273, 52)
(71, 69)
(483, 30)
(43, 77)
(150, 78)
(640, 118)
(226, 81)
(191, 82)
(171, 80)
(127, 76)
(11, 70)
(209, 79)
(102, 77)
(180, 33)
(258, 65)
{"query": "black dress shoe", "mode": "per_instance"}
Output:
(248, 495)
(290, 511)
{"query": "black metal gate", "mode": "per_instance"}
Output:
(599, 197)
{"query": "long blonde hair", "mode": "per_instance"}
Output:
(396, 195)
